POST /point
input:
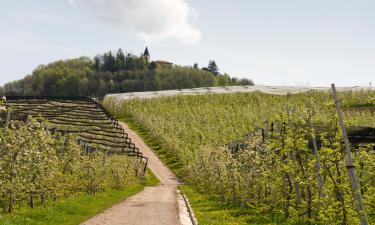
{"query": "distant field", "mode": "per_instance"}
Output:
(195, 129)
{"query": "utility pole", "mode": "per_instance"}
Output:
(349, 164)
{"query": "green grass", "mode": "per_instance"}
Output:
(73, 210)
(210, 120)
(209, 211)
(164, 155)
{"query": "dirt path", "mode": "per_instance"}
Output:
(154, 205)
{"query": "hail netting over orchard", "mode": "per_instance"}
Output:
(278, 90)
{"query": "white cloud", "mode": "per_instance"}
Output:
(72, 3)
(151, 20)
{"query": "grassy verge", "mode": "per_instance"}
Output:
(206, 209)
(164, 155)
(209, 211)
(74, 210)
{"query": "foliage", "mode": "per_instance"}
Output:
(112, 73)
(37, 166)
(74, 209)
(114, 63)
(209, 211)
(60, 78)
(213, 68)
(276, 175)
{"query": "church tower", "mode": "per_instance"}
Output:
(146, 55)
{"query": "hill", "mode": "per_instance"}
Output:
(115, 73)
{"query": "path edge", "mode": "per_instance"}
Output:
(186, 205)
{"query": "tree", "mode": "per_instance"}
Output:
(109, 62)
(141, 63)
(120, 60)
(129, 63)
(98, 64)
(107, 72)
(101, 87)
(224, 80)
(246, 81)
(153, 66)
(212, 67)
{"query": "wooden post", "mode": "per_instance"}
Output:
(349, 164)
(315, 151)
(290, 157)
(8, 118)
(85, 147)
(27, 119)
(267, 131)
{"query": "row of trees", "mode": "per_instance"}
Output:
(115, 62)
(37, 166)
(278, 174)
(114, 73)
(119, 62)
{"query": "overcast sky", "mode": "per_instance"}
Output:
(289, 42)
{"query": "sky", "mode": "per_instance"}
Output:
(273, 42)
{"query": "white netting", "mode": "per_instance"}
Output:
(278, 90)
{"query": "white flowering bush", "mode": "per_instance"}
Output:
(36, 166)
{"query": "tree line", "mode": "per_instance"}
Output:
(115, 73)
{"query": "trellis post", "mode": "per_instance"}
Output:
(354, 184)
(315, 150)
(267, 131)
(9, 113)
(27, 119)
(290, 157)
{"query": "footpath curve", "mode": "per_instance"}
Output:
(159, 205)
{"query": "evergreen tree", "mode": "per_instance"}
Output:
(142, 63)
(195, 66)
(212, 67)
(120, 60)
(98, 63)
(130, 63)
(109, 61)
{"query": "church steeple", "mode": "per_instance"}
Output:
(146, 55)
(146, 52)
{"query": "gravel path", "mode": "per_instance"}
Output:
(154, 205)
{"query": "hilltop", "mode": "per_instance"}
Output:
(116, 73)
